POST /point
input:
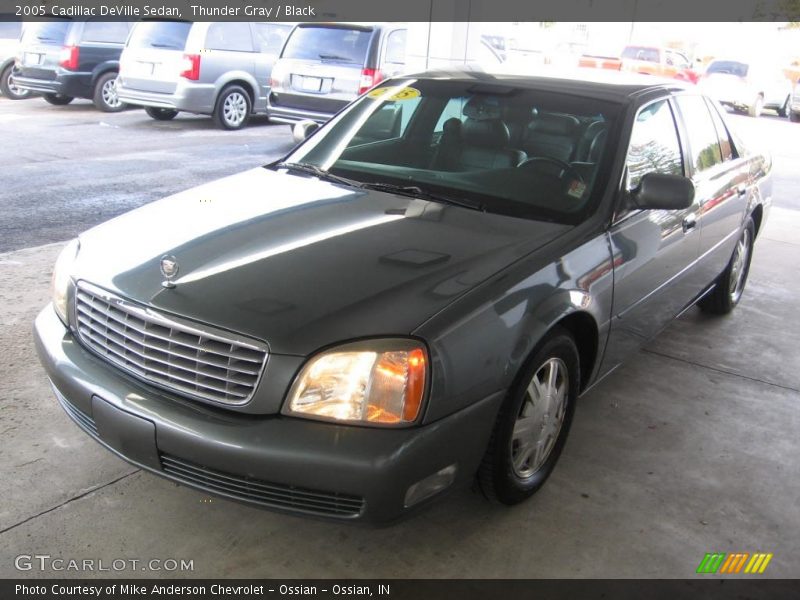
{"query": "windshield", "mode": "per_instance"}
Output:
(512, 150)
(328, 43)
(45, 32)
(160, 34)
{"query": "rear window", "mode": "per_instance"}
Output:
(160, 34)
(333, 44)
(10, 30)
(105, 32)
(728, 67)
(46, 32)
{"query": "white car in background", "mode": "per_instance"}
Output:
(745, 86)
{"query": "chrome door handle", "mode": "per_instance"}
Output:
(689, 223)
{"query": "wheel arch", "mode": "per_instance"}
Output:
(583, 328)
(242, 82)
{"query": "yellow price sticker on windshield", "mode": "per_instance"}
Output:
(393, 93)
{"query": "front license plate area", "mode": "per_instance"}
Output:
(131, 436)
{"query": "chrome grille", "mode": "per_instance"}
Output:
(190, 359)
(261, 492)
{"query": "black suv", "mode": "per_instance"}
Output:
(65, 59)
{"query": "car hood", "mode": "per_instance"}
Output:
(302, 263)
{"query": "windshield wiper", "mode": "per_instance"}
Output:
(316, 172)
(417, 192)
(334, 57)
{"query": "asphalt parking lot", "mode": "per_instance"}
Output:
(690, 448)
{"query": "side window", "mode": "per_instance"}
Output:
(453, 109)
(396, 47)
(648, 55)
(270, 38)
(725, 142)
(702, 135)
(654, 146)
(102, 32)
(229, 36)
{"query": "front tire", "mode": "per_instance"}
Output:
(57, 99)
(7, 87)
(533, 423)
(160, 114)
(105, 94)
(233, 108)
(730, 284)
(784, 110)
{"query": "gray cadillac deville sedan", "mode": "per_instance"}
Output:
(414, 297)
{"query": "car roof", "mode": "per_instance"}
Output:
(614, 86)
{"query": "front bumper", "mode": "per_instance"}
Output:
(277, 462)
(193, 98)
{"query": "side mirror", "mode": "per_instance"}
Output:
(657, 191)
(303, 129)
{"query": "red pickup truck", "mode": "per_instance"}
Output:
(648, 60)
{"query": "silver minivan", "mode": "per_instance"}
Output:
(212, 68)
(324, 66)
(9, 45)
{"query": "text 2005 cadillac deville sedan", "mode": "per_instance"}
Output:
(414, 297)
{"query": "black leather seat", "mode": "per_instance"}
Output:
(552, 135)
(591, 142)
(480, 142)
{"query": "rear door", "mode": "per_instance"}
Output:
(322, 66)
(720, 178)
(153, 57)
(41, 48)
(654, 250)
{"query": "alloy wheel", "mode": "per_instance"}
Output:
(739, 266)
(540, 419)
(234, 109)
(110, 96)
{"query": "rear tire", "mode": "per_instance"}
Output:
(730, 284)
(57, 99)
(8, 89)
(105, 94)
(754, 110)
(533, 422)
(160, 114)
(233, 108)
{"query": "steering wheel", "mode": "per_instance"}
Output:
(562, 165)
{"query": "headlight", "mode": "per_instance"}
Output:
(62, 273)
(375, 381)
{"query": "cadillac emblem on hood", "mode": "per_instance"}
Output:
(169, 269)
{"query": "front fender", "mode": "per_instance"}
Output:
(480, 342)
